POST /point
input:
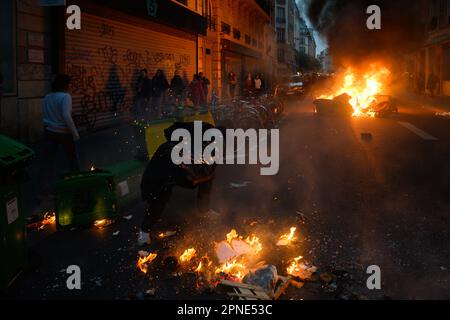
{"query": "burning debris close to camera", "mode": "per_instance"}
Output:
(236, 261)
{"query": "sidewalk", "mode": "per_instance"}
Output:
(101, 148)
(435, 105)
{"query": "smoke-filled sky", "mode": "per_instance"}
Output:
(342, 24)
(321, 44)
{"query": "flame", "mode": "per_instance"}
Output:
(300, 269)
(362, 87)
(49, 218)
(102, 223)
(187, 255)
(144, 260)
(232, 235)
(288, 238)
(253, 242)
(166, 234)
(233, 268)
(204, 264)
(294, 266)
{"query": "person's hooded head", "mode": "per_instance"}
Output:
(61, 83)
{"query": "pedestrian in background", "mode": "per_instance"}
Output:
(249, 84)
(178, 86)
(232, 83)
(143, 95)
(59, 128)
(159, 90)
(258, 85)
(196, 92)
(433, 84)
(205, 85)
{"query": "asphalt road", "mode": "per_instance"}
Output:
(382, 200)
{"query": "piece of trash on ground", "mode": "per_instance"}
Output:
(166, 234)
(237, 185)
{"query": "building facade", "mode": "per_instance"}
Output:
(104, 58)
(239, 39)
(285, 13)
(434, 56)
(116, 40)
(304, 37)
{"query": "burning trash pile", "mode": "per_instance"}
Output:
(236, 266)
(359, 94)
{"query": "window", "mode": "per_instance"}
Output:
(236, 34)
(281, 15)
(281, 35)
(254, 42)
(7, 46)
(226, 28)
(248, 40)
(280, 55)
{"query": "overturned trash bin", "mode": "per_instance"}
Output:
(85, 197)
(150, 135)
(14, 158)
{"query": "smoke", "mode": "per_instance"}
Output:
(343, 24)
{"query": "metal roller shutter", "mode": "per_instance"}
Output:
(104, 59)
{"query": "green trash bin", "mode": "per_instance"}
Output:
(127, 179)
(14, 158)
(85, 197)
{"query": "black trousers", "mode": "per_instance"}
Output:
(158, 198)
(52, 143)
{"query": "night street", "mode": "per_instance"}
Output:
(356, 203)
(210, 158)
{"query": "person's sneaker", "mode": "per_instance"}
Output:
(143, 238)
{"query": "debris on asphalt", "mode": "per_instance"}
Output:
(301, 269)
(265, 277)
(238, 185)
(37, 222)
(327, 277)
(116, 233)
(129, 217)
(297, 284)
(167, 234)
(241, 291)
(103, 223)
(150, 292)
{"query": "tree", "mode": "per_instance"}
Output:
(307, 63)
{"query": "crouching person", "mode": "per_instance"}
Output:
(161, 175)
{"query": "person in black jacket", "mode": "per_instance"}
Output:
(159, 86)
(161, 175)
(178, 86)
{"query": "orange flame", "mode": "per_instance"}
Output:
(233, 268)
(187, 255)
(362, 88)
(287, 239)
(145, 259)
